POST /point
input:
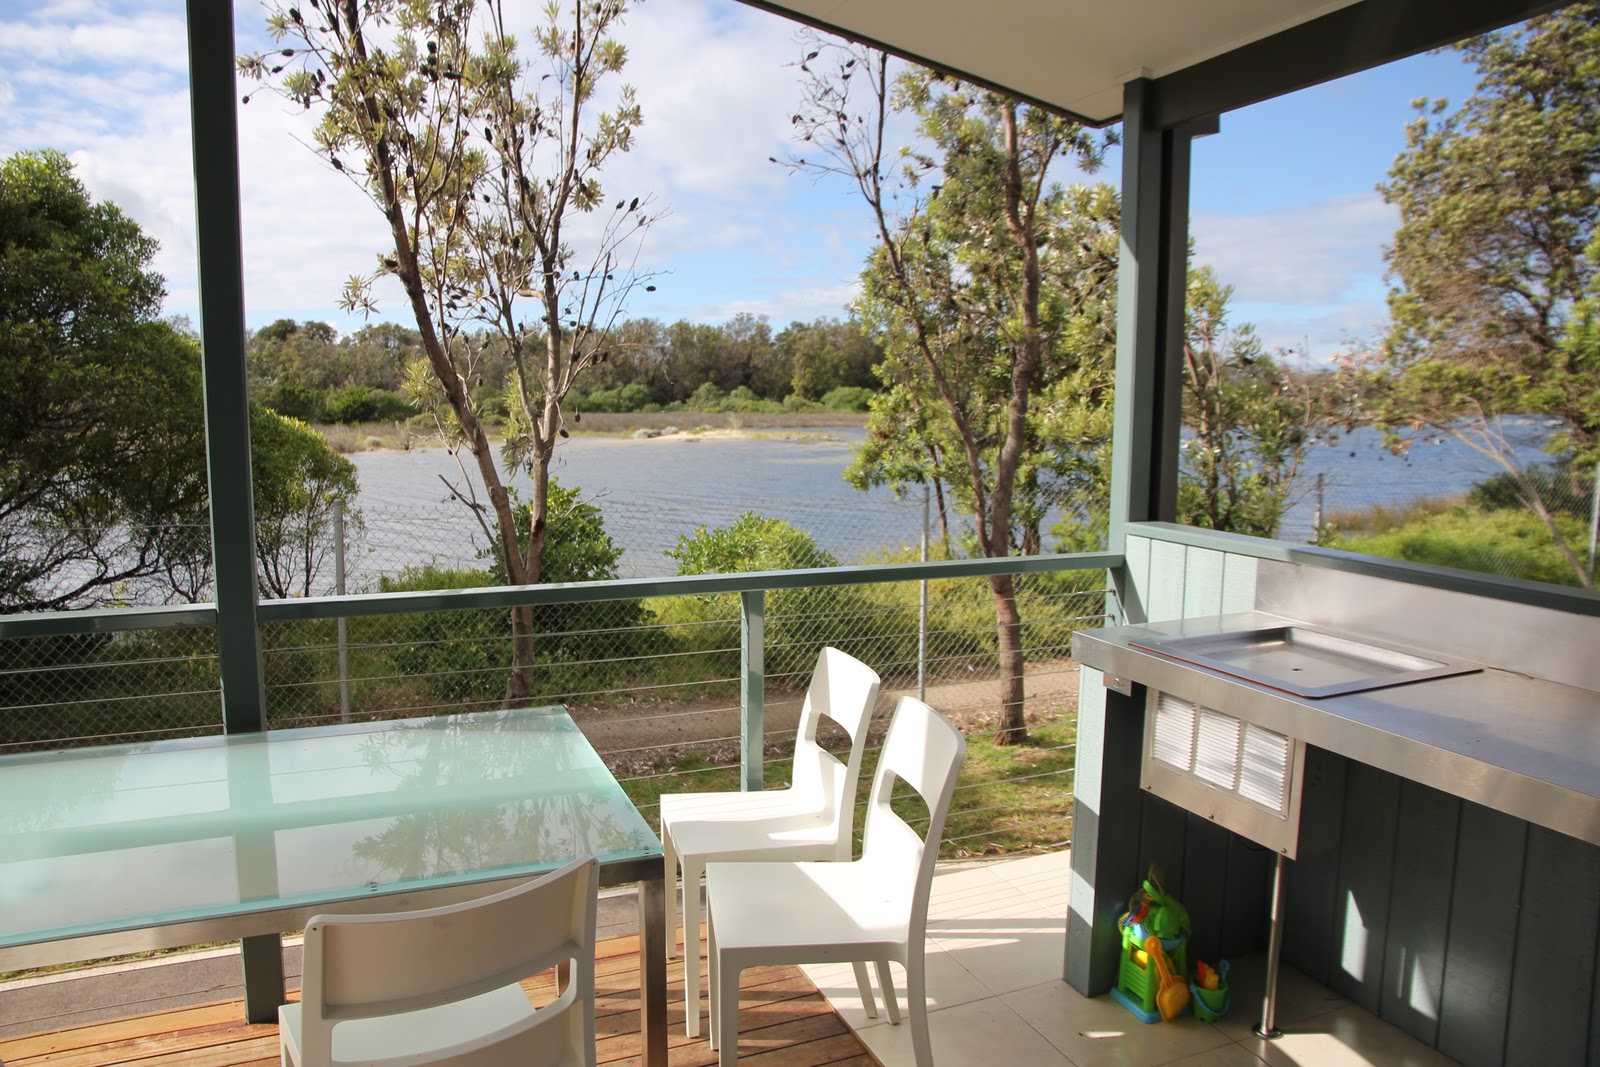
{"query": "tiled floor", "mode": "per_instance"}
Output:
(995, 946)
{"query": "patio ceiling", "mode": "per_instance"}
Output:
(1204, 58)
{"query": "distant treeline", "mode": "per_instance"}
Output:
(306, 370)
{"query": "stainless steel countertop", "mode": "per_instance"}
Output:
(1521, 745)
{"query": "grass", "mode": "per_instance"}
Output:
(1010, 798)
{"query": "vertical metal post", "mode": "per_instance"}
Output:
(338, 587)
(653, 969)
(1316, 524)
(213, 98)
(214, 130)
(1594, 520)
(752, 688)
(1268, 1027)
(922, 608)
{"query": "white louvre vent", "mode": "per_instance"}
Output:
(1174, 735)
(1216, 764)
(1264, 770)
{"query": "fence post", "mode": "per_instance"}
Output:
(752, 688)
(1594, 520)
(1316, 522)
(922, 609)
(338, 588)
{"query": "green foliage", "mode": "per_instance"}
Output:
(799, 621)
(102, 473)
(1505, 542)
(847, 398)
(455, 656)
(481, 151)
(1493, 311)
(294, 401)
(631, 397)
(359, 403)
(297, 480)
(578, 549)
(1248, 422)
(1562, 488)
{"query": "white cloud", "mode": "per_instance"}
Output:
(1308, 254)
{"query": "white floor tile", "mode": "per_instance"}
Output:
(1346, 1037)
(1010, 955)
(996, 938)
(1299, 998)
(983, 1032)
(948, 982)
(1099, 1032)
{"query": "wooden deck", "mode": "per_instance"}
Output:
(784, 1022)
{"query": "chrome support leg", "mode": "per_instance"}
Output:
(1268, 1027)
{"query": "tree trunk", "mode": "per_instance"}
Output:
(1012, 728)
(519, 687)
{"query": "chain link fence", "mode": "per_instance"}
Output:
(655, 683)
(1542, 524)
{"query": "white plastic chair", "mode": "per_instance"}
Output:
(441, 985)
(874, 909)
(813, 819)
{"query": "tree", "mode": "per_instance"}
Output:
(828, 354)
(482, 167)
(987, 286)
(102, 473)
(1248, 420)
(1498, 201)
(297, 481)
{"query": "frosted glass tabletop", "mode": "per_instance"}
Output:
(125, 836)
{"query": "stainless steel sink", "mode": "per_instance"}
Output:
(1303, 661)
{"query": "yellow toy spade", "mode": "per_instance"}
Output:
(1173, 996)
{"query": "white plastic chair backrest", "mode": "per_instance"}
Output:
(366, 966)
(845, 690)
(924, 750)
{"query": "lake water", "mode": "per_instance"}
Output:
(653, 492)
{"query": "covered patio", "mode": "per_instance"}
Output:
(1426, 915)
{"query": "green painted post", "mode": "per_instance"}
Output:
(215, 130)
(1151, 290)
(1151, 297)
(752, 687)
(214, 127)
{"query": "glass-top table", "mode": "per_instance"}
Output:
(126, 848)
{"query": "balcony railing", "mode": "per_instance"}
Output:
(681, 683)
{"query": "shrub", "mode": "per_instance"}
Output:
(578, 549)
(1563, 490)
(295, 401)
(794, 402)
(457, 656)
(1506, 542)
(798, 621)
(847, 398)
(706, 398)
(624, 398)
(360, 403)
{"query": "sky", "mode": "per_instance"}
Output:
(1284, 204)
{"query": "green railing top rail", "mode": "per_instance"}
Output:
(105, 620)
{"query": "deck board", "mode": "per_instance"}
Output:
(783, 1022)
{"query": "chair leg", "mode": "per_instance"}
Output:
(692, 870)
(886, 980)
(713, 992)
(917, 997)
(727, 995)
(864, 984)
(669, 859)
